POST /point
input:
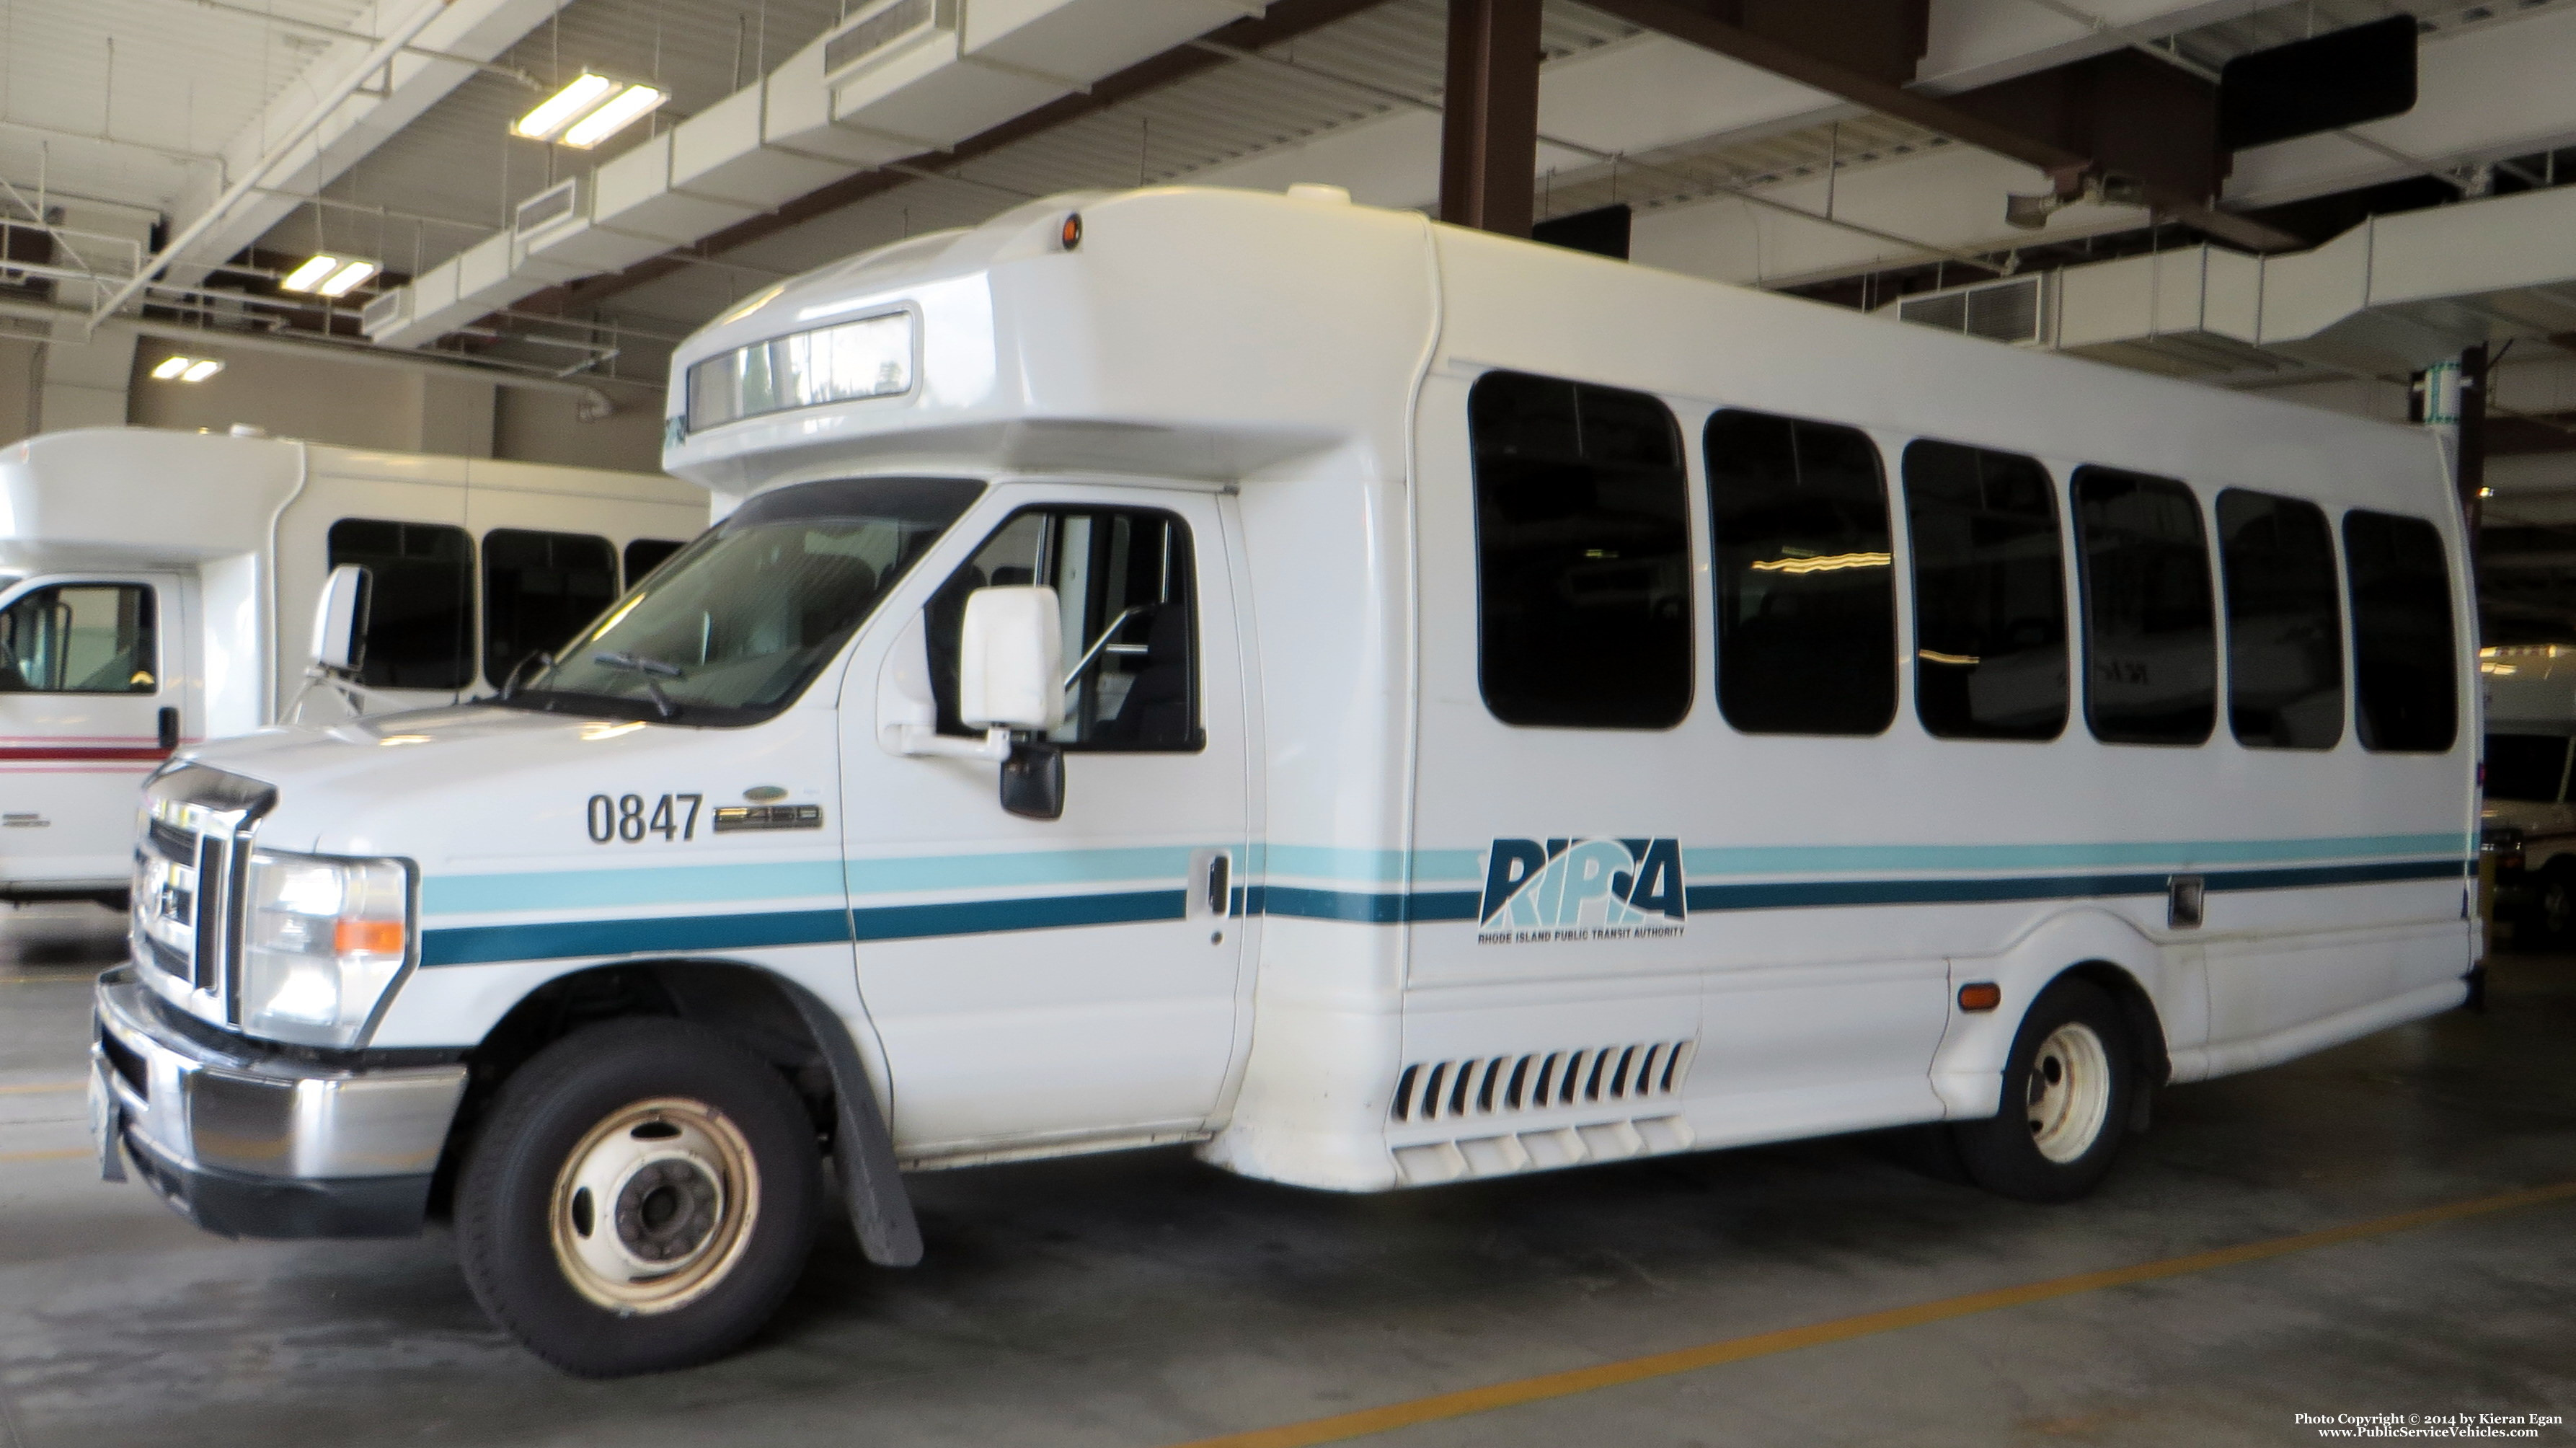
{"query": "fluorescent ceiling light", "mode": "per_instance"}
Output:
(560, 109)
(309, 276)
(632, 104)
(200, 371)
(171, 367)
(348, 278)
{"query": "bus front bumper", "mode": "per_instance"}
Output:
(251, 1142)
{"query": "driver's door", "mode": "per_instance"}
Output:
(1060, 978)
(90, 690)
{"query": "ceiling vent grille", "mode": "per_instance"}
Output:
(877, 34)
(1540, 1080)
(386, 312)
(2012, 310)
(548, 207)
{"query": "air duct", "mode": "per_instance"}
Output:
(2392, 296)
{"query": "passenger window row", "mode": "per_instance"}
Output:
(539, 589)
(1584, 559)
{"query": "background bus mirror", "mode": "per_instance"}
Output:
(340, 621)
(1010, 661)
(1033, 780)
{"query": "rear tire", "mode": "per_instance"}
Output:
(642, 1197)
(2553, 906)
(2066, 1100)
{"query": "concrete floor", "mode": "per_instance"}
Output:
(1144, 1300)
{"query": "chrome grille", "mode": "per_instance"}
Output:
(188, 871)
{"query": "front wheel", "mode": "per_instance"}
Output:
(642, 1196)
(2065, 1100)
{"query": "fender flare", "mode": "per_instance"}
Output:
(872, 1187)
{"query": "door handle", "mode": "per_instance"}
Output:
(1219, 873)
(169, 728)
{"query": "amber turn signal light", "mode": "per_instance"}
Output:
(1981, 995)
(380, 937)
(1072, 233)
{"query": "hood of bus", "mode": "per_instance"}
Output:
(481, 785)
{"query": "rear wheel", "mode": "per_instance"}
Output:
(641, 1198)
(2553, 905)
(2065, 1100)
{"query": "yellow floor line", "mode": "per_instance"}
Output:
(1486, 1399)
(65, 1153)
(42, 1088)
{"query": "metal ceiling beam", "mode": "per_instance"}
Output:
(1284, 20)
(1489, 116)
(322, 110)
(2065, 166)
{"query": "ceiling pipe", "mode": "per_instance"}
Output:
(253, 176)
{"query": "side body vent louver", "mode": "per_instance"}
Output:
(1539, 1080)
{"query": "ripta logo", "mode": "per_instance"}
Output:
(1574, 889)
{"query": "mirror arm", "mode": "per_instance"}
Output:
(924, 739)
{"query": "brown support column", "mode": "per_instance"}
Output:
(1489, 131)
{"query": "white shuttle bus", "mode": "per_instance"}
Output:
(147, 577)
(1382, 703)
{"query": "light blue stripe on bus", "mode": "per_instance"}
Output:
(1029, 867)
(1370, 867)
(1837, 859)
(642, 885)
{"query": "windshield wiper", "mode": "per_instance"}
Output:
(648, 666)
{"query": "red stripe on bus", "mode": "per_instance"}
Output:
(81, 752)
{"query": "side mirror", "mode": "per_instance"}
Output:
(1010, 661)
(340, 621)
(1033, 780)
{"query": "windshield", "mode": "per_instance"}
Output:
(733, 627)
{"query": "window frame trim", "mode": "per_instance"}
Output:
(29, 587)
(2464, 707)
(2210, 570)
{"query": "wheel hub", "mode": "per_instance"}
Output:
(2069, 1096)
(654, 1206)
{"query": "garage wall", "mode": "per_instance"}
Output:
(312, 398)
(546, 427)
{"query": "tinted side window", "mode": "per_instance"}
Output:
(2403, 679)
(1582, 555)
(2527, 767)
(2284, 630)
(2150, 645)
(420, 602)
(80, 638)
(1989, 593)
(646, 554)
(540, 589)
(1123, 580)
(1806, 593)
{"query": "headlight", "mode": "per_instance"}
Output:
(323, 942)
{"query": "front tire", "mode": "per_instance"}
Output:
(2066, 1100)
(642, 1197)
